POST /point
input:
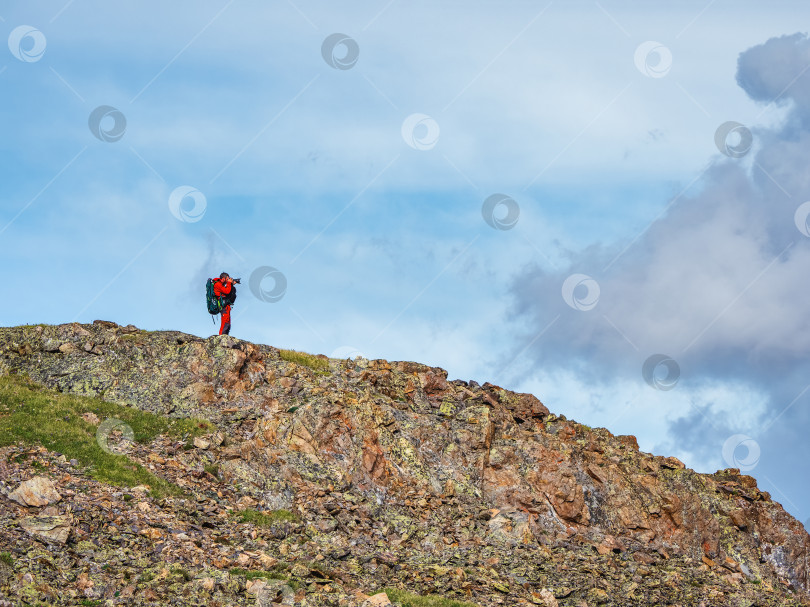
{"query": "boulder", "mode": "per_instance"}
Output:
(49, 528)
(38, 491)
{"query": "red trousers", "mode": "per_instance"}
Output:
(225, 327)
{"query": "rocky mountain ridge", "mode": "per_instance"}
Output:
(397, 478)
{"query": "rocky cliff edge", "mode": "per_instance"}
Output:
(396, 477)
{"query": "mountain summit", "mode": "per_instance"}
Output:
(284, 478)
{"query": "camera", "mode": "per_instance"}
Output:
(237, 280)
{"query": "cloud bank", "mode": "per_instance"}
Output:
(717, 285)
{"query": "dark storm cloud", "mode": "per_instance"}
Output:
(720, 282)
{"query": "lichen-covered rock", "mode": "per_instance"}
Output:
(37, 491)
(321, 485)
(50, 528)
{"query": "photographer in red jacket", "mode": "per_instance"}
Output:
(223, 287)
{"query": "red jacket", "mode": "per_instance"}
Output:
(222, 287)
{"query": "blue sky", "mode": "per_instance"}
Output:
(359, 171)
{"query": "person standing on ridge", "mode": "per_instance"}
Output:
(224, 288)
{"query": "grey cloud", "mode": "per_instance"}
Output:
(722, 271)
(719, 282)
(696, 431)
(777, 70)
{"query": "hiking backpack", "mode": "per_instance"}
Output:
(213, 302)
(217, 303)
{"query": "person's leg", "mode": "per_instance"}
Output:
(225, 327)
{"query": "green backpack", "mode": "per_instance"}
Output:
(216, 304)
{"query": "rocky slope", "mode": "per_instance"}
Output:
(397, 478)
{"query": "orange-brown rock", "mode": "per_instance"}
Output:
(400, 438)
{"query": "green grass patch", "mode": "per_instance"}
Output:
(408, 599)
(130, 337)
(5, 557)
(32, 414)
(307, 360)
(212, 469)
(266, 519)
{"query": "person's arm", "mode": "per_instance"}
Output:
(222, 287)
